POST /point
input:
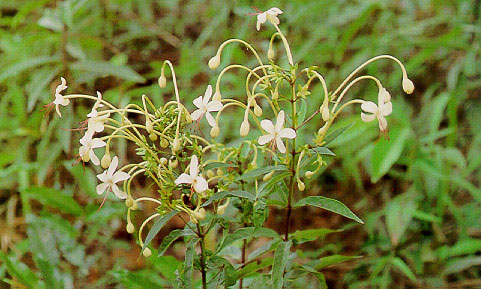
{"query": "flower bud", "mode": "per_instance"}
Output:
(257, 109)
(129, 202)
(130, 228)
(86, 158)
(105, 162)
(309, 174)
(214, 62)
(200, 214)
(210, 174)
(244, 129)
(214, 131)
(325, 112)
(322, 130)
(300, 185)
(220, 172)
(221, 208)
(153, 136)
(175, 145)
(148, 125)
(173, 163)
(270, 53)
(162, 81)
(217, 95)
(268, 176)
(408, 85)
(163, 161)
(275, 95)
(164, 143)
(147, 252)
(135, 206)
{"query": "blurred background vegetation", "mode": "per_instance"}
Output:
(418, 192)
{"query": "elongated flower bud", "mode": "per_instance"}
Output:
(309, 174)
(175, 145)
(270, 53)
(153, 136)
(130, 228)
(300, 185)
(408, 85)
(217, 95)
(105, 162)
(325, 111)
(220, 172)
(214, 62)
(147, 252)
(244, 129)
(163, 161)
(210, 174)
(214, 131)
(221, 208)
(173, 163)
(257, 109)
(164, 143)
(162, 81)
(129, 202)
(268, 176)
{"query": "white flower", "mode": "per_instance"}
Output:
(109, 178)
(379, 111)
(205, 106)
(270, 15)
(96, 124)
(198, 183)
(86, 151)
(59, 98)
(98, 104)
(276, 132)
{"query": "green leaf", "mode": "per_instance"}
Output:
(399, 213)
(157, 226)
(244, 233)
(103, 68)
(225, 194)
(48, 273)
(20, 271)
(387, 152)
(171, 237)
(322, 151)
(272, 185)
(281, 256)
(465, 247)
(215, 165)
(333, 135)
(189, 264)
(302, 112)
(457, 265)
(266, 247)
(254, 266)
(54, 198)
(330, 205)
(399, 263)
(302, 236)
(230, 275)
(249, 175)
(331, 260)
(20, 67)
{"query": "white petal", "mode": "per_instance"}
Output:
(120, 176)
(267, 126)
(273, 19)
(382, 123)
(87, 138)
(386, 109)
(101, 188)
(369, 106)
(198, 102)
(102, 177)
(200, 184)
(93, 113)
(280, 145)
(214, 105)
(113, 166)
(383, 96)
(287, 133)
(183, 179)
(94, 158)
(58, 110)
(120, 194)
(280, 120)
(207, 95)
(210, 119)
(367, 117)
(83, 150)
(97, 143)
(194, 167)
(263, 139)
(197, 114)
(275, 11)
(261, 18)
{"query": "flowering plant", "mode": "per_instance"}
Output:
(213, 186)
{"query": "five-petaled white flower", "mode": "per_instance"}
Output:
(109, 178)
(59, 98)
(97, 104)
(96, 124)
(205, 106)
(379, 111)
(86, 151)
(270, 15)
(276, 133)
(199, 184)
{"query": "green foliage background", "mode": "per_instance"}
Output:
(417, 192)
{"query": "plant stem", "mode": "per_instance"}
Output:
(202, 257)
(293, 156)
(243, 260)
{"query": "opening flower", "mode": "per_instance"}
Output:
(199, 184)
(96, 123)
(380, 111)
(205, 106)
(276, 133)
(59, 98)
(86, 151)
(270, 15)
(110, 178)
(98, 104)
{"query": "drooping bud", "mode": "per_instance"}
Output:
(164, 143)
(257, 109)
(153, 136)
(270, 53)
(210, 174)
(300, 185)
(175, 145)
(129, 202)
(268, 176)
(275, 94)
(309, 174)
(322, 130)
(163, 161)
(147, 252)
(408, 85)
(214, 62)
(130, 228)
(162, 81)
(219, 172)
(105, 161)
(217, 95)
(244, 129)
(173, 163)
(199, 214)
(221, 208)
(325, 111)
(135, 206)
(214, 131)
